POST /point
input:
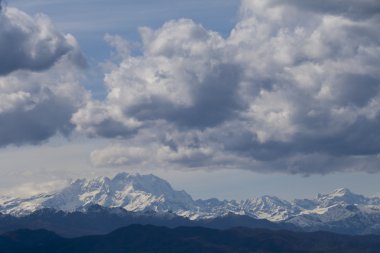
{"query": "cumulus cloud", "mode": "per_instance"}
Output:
(293, 88)
(40, 71)
(30, 43)
(181, 78)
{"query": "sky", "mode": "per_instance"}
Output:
(228, 99)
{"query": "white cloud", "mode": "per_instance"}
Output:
(32, 189)
(176, 78)
(286, 88)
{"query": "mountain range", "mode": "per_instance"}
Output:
(340, 211)
(97, 220)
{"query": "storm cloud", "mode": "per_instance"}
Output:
(294, 88)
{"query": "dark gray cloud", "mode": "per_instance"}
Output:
(36, 125)
(294, 88)
(30, 43)
(359, 139)
(37, 106)
(39, 79)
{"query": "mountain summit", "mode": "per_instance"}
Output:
(131, 192)
(341, 196)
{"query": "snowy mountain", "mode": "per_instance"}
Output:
(270, 208)
(131, 192)
(339, 211)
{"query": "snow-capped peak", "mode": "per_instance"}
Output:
(149, 193)
(340, 196)
(131, 192)
(339, 193)
(342, 192)
(147, 183)
(269, 207)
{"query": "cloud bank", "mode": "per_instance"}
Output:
(39, 78)
(294, 88)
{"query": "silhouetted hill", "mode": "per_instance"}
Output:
(146, 239)
(100, 220)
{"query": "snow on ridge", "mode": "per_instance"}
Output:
(147, 193)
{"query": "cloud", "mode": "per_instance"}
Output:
(180, 78)
(118, 155)
(159, 156)
(32, 189)
(40, 74)
(31, 43)
(293, 88)
(159, 147)
(348, 8)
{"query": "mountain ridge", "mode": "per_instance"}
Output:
(340, 210)
(148, 238)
